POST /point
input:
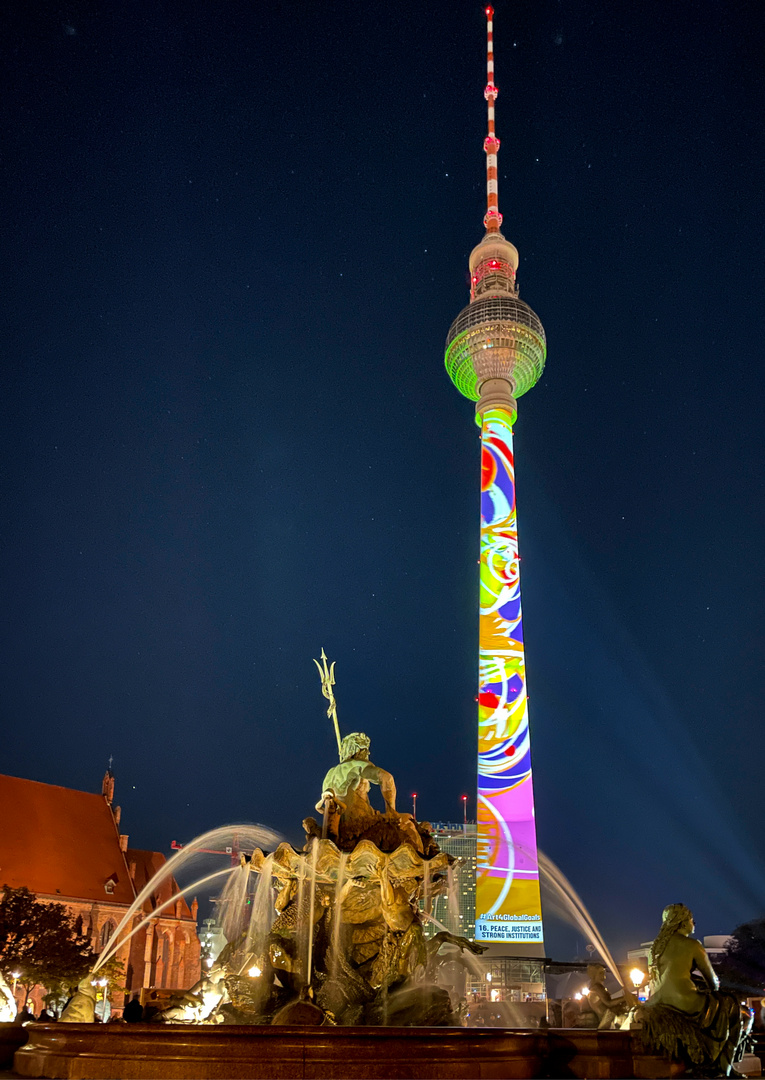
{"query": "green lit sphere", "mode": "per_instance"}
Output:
(498, 337)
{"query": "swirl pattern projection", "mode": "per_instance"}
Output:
(508, 906)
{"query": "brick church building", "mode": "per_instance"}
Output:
(65, 846)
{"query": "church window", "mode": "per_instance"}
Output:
(106, 932)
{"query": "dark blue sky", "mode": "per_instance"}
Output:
(235, 237)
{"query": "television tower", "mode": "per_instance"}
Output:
(495, 351)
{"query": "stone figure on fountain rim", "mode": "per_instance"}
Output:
(610, 1012)
(704, 1026)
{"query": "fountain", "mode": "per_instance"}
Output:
(328, 969)
(333, 934)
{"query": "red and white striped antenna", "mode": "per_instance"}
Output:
(493, 218)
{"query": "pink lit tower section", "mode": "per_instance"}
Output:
(495, 351)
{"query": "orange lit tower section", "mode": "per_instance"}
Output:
(495, 351)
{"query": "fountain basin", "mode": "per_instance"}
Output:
(188, 1052)
(587, 1053)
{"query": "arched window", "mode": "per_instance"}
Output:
(180, 973)
(163, 956)
(106, 932)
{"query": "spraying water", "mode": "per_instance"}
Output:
(452, 899)
(427, 900)
(337, 914)
(262, 910)
(302, 927)
(248, 836)
(311, 911)
(111, 948)
(232, 903)
(560, 896)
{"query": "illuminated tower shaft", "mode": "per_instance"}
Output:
(495, 351)
(508, 884)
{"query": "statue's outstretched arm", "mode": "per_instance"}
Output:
(704, 965)
(388, 789)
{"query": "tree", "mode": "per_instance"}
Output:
(43, 942)
(742, 966)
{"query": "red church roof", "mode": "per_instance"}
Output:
(60, 842)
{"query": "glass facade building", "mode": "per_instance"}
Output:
(493, 983)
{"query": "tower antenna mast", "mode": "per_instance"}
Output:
(493, 218)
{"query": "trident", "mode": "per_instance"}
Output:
(327, 676)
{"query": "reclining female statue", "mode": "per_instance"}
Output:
(705, 1027)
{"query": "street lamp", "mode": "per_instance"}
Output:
(102, 983)
(637, 977)
(16, 976)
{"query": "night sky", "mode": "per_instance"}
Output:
(235, 237)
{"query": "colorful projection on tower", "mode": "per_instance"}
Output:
(508, 906)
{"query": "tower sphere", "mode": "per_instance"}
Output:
(497, 336)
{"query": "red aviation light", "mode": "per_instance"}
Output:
(489, 12)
